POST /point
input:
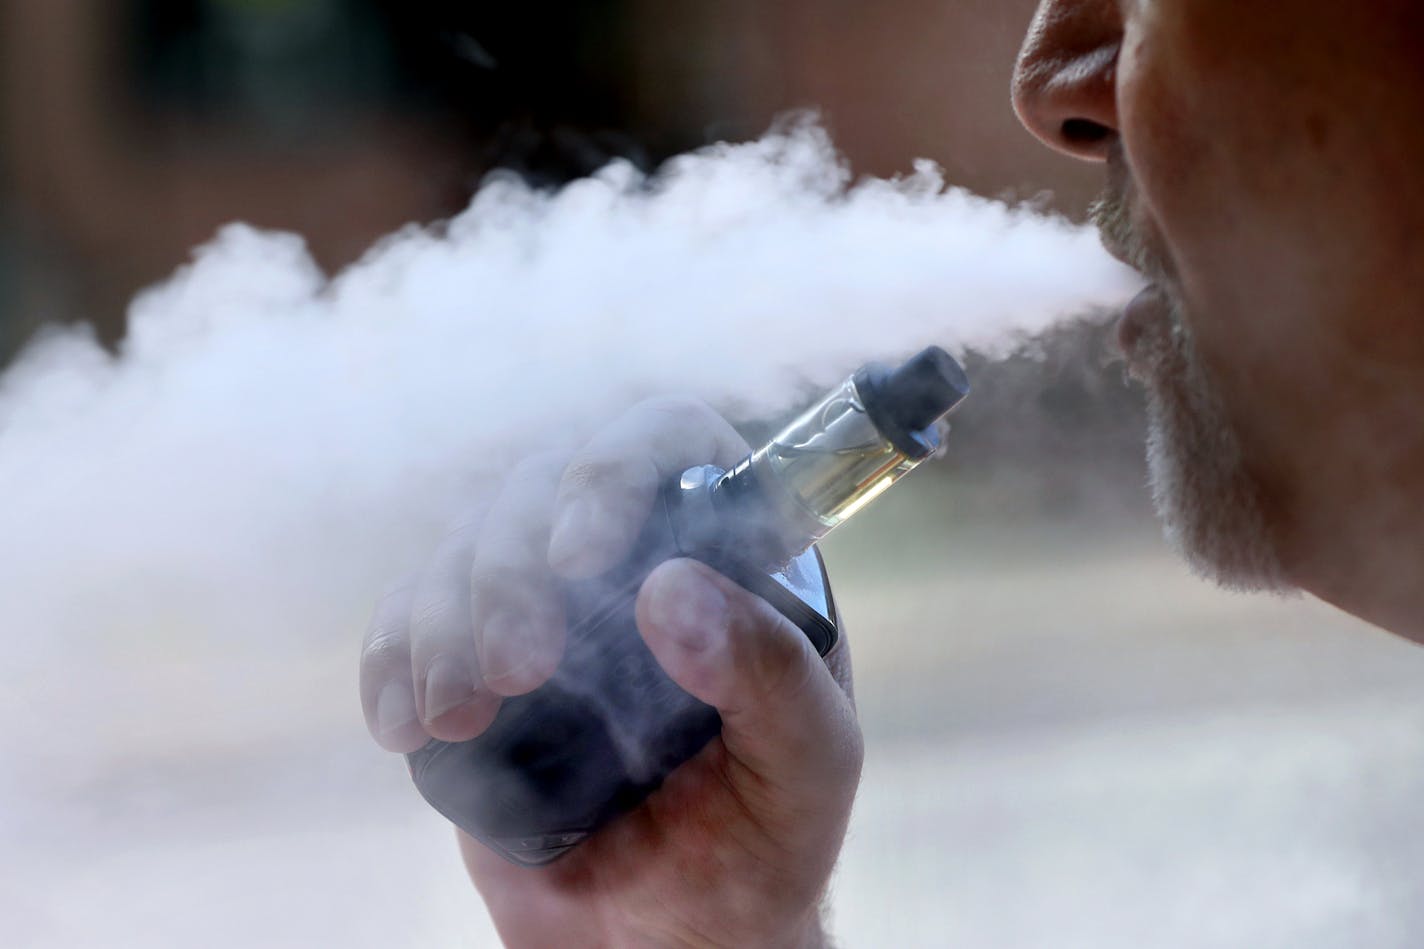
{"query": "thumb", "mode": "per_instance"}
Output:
(784, 716)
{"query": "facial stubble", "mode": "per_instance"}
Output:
(1209, 504)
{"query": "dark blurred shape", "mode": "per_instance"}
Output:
(268, 65)
(134, 129)
(535, 87)
(131, 129)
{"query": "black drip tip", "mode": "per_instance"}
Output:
(924, 388)
(904, 402)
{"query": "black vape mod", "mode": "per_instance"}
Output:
(609, 726)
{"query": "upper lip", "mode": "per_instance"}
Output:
(1119, 195)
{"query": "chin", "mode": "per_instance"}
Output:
(1209, 504)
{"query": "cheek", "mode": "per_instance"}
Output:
(1186, 152)
(1205, 147)
(1185, 205)
(1270, 151)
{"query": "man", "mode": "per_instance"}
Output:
(1261, 162)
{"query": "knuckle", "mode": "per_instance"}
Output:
(430, 617)
(387, 647)
(514, 551)
(515, 537)
(510, 590)
(490, 577)
(396, 591)
(597, 472)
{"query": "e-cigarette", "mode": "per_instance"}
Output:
(602, 734)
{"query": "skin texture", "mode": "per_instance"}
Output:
(736, 848)
(1265, 158)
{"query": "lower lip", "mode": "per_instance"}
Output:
(1147, 307)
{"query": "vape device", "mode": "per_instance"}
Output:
(609, 726)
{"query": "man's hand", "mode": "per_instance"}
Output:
(735, 849)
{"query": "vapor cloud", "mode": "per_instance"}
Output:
(272, 444)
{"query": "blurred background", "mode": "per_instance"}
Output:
(1071, 741)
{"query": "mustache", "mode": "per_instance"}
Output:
(1112, 216)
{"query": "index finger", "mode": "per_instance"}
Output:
(608, 489)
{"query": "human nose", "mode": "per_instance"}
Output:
(1064, 85)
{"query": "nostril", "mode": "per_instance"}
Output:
(1082, 133)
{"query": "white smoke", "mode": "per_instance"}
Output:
(271, 445)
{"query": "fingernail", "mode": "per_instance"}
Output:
(395, 708)
(448, 685)
(505, 648)
(569, 540)
(690, 610)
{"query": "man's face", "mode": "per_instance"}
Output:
(1266, 170)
